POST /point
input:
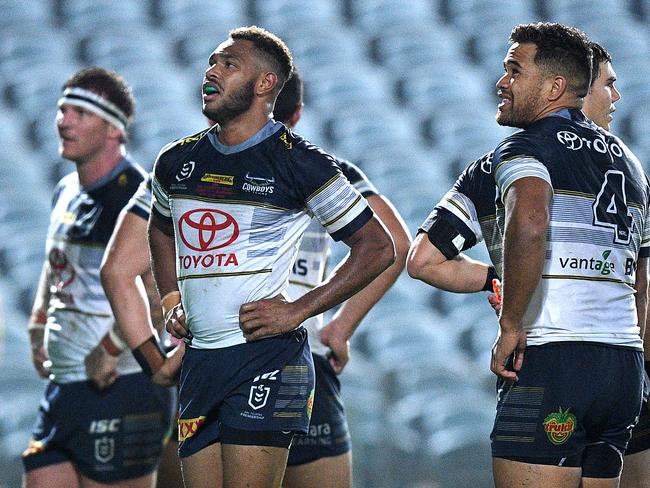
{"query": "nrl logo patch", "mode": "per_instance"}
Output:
(559, 426)
(104, 449)
(258, 396)
(186, 171)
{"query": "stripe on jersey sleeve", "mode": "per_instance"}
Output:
(140, 203)
(336, 204)
(511, 170)
(160, 199)
(644, 252)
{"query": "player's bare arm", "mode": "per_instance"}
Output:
(527, 203)
(337, 332)
(36, 324)
(371, 252)
(461, 274)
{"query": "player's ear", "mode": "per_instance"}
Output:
(266, 83)
(557, 87)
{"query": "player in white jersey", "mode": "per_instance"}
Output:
(572, 203)
(322, 458)
(84, 436)
(466, 215)
(230, 207)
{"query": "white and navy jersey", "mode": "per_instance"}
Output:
(239, 214)
(469, 208)
(598, 228)
(311, 262)
(81, 224)
(140, 202)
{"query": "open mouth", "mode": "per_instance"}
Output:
(211, 89)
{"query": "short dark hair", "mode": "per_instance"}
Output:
(107, 84)
(561, 49)
(289, 99)
(600, 56)
(272, 48)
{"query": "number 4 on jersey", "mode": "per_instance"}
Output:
(610, 207)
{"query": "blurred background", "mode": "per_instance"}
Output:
(404, 89)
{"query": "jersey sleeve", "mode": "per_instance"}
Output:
(327, 193)
(358, 178)
(515, 158)
(160, 183)
(140, 203)
(644, 251)
(453, 225)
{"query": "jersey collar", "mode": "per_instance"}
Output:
(270, 128)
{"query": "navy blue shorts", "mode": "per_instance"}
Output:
(569, 395)
(640, 440)
(110, 435)
(328, 431)
(258, 387)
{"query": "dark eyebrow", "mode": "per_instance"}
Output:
(223, 55)
(512, 62)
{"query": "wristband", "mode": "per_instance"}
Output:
(149, 356)
(37, 321)
(169, 301)
(112, 343)
(491, 275)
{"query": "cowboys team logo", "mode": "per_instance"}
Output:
(258, 396)
(104, 449)
(186, 171)
(205, 229)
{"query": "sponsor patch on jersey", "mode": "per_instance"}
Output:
(559, 426)
(218, 179)
(34, 447)
(286, 141)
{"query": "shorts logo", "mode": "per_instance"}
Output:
(559, 426)
(34, 447)
(310, 402)
(205, 229)
(258, 396)
(188, 427)
(104, 449)
(186, 171)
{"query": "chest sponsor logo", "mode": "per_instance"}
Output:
(574, 142)
(185, 171)
(603, 266)
(218, 179)
(206, 230)
(258, 184)
(486, 163)
(559, 426)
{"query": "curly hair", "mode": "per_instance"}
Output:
(561, 50)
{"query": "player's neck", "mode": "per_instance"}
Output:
(242, 128)
(94, 169)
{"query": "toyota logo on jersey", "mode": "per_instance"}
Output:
(205, 229)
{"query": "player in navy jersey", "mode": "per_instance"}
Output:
(459, 210)
(230, 205)
(84, 436)
(322, 458)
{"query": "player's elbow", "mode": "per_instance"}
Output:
(111, 273)
(418, 260)
(385, 252)
(402, 243)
